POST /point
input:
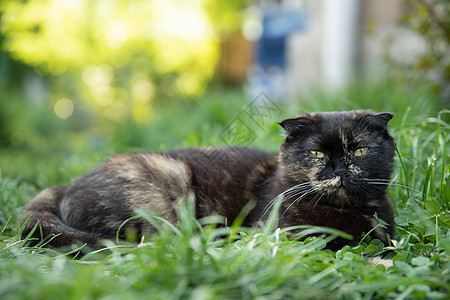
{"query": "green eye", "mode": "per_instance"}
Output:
(361, 151)
(317, 153)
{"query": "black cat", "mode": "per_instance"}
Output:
(332, 170)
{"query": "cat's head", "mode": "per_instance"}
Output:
(338, 158)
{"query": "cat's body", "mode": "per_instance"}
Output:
(332, 171)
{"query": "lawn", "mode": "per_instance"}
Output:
(198, 260)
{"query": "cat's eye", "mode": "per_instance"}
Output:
(361, 151)
(317, 153)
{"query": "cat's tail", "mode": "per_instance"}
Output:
(43, 210)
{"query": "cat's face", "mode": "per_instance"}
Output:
(336, 158)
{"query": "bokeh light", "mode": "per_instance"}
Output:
(112, 54)
(64, 108)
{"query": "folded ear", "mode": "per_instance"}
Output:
(296, 125)
(384, 116)
(380, 119)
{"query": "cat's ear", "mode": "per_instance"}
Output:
(384, 116)
(380, 119)
(294, 126)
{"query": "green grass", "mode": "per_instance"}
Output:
(198, 261)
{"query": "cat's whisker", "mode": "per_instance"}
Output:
(301, 194)
(378, 181)
(297, 192)
(296, 201)
(269, 207)
(319, 197)
(308, 192)
(293, 191)
(295, 187)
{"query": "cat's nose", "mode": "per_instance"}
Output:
(340, 168)
(340, 172)
(341, 175)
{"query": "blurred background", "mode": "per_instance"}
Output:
(88, 75)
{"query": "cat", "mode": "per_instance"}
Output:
(332, 170)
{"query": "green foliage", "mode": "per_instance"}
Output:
(226, 15)
(430, 20)
(13, 196)
(198, 258)
(197, 261)
(116, 57)
(423, 220)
